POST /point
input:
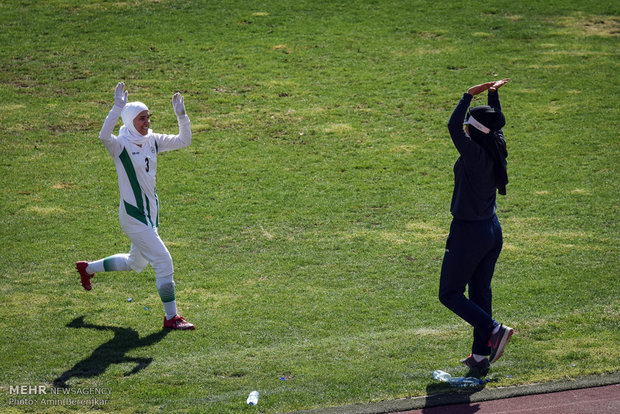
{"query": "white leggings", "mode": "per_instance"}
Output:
(147, 247)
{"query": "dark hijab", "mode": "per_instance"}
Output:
(493, 142)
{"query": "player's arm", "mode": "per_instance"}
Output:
(184, 138)
(455, 125)
(493, 98)
(120, 100)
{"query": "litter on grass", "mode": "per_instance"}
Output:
(462, 382)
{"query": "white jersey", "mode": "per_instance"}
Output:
(136, 167)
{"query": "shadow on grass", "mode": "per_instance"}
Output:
(111, 352)
(441, 398)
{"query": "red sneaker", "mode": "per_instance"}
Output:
(498, 342)
(178, 322)
(476, 368)
(84, 275)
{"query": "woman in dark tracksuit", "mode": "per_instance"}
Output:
(475, 238)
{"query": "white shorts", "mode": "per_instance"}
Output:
(147, 247)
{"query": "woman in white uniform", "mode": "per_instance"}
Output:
(135, 151)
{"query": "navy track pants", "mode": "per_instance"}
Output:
(472, 250)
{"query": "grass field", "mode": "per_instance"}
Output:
(308, 218)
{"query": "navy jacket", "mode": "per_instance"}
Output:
(474, 192)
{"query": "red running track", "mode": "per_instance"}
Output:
(597, 400)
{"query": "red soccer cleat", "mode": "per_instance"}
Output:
(84, 275)
(178, 322)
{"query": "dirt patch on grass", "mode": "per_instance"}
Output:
(584, 25)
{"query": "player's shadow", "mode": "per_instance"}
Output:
(441, 398)
(111, 352)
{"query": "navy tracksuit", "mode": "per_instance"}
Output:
(475, 238)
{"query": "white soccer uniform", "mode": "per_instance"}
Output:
(138, 210)
(137, 168)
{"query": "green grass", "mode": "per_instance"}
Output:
(308, 218)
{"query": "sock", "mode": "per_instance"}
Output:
(478, 358)
(165, 287)
(171, 309)
(116, 263)
(495, 330)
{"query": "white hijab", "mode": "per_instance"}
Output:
(128, 130)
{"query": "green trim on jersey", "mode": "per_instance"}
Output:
(136, 212)
(148, 210)
(157, 204)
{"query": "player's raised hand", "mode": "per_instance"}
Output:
(178, 105)
(475, 90)
(498, 84)
(120, 95)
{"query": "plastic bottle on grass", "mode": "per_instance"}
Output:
(457, 381)
(441, 375)
(253, 398)
(467, 382)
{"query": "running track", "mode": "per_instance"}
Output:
(597, 400)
